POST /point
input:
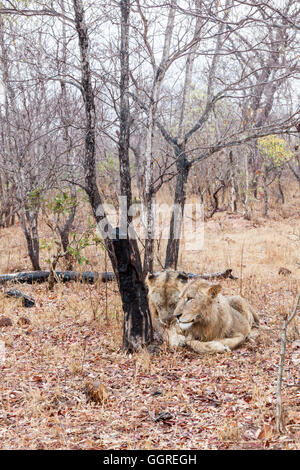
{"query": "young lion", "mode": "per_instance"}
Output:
(164, 289)
(211, 322)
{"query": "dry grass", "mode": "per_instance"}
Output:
(169, 400)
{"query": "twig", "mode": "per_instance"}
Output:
(241, 271)
(227, 274)
(105, 263)
(279, 421)
(84, 350)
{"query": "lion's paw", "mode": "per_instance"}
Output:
(179, 340)
(220, 347)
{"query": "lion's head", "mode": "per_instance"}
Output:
(195, 303)
(164, 291)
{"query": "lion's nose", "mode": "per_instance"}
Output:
(178, 315)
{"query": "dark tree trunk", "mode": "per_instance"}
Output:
(233, 189)
(64, 232)
(255, 164)
(215, 204)
(280, 190)
(123, 253)
(64, 236)
(265, 191)
(183, 168)
(295, 169)
(149, 242)
(31, 277)
(137, 320)
(137, 331)
(89, 277)
(29, 225)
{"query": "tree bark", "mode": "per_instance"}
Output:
(137, 330)
(65, 229)
(279, 420)
(29, 225)
(123, 253)
(159, 74)
(233, 184)
(30, 277)
(183, 168)
(64, 276)
(295, 169)
(265, 190)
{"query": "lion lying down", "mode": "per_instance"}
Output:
(164, 289)
(210, 321)
(196, 314)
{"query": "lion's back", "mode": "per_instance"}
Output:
(240, 304)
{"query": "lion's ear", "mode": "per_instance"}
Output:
(150, 278)
(213, 291)
(183, 277)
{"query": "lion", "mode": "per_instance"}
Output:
(210, 321)
(164, 289)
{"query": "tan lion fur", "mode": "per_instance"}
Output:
(164, 289)
(232, 316)
(210, 321)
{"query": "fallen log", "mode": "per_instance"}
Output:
(31, 277)
(26, 300)
(227, 274)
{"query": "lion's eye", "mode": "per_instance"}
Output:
(189, 298)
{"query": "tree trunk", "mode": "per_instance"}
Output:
(31, 277)
(64, 232)
(254, 165)
(183, 168)
(137, 330)
(29, 224)
(123, 252)
(265, 191)
(137, 321)
(296, 172)
(6, 186)
(159, 73)
(246, 211)
(280, 190)
(64, 237)
(89, 277)
(215, 204)
(233, 188)
(279, 421)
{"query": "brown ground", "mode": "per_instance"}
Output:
(170, 400)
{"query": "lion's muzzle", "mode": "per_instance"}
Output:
(185, 325)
